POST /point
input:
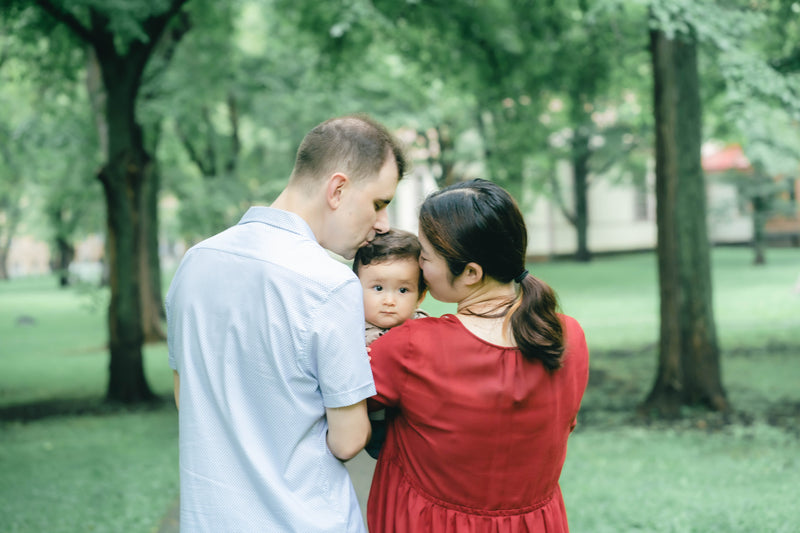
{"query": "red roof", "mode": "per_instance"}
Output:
(729, 158)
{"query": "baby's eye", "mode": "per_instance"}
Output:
(377, 288)
(403, 290)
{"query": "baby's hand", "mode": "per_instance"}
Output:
(368, 355)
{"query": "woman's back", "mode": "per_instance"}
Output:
(480, 431)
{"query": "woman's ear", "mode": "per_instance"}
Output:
(472, 274)
(333, 192)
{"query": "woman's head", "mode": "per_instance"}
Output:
(476, 221)
(479, 222)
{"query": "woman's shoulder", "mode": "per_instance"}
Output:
(424, 322)
(421, 327)
(569, 321)
(574, 338)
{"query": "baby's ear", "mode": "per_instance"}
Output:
(422, 296)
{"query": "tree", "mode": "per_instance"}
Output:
(11, 192)
(762, 100)
(689, 366)
(599, 53)
(46, 144)
(122, 37)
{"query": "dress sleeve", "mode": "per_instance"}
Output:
(337, 348)
(389, 358)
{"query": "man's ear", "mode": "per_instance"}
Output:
(336, 185)
(472, 274)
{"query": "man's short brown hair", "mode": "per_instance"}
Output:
(355, 145)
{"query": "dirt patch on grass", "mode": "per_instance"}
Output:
(612, 400)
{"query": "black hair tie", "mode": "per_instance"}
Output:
(519, 278)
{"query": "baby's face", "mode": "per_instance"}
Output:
(391, 291)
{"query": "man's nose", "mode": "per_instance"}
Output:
(382, 222)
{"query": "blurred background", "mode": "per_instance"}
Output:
(653, 146)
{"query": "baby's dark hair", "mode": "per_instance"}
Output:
(392, 245)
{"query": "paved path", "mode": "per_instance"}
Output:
(360, 468)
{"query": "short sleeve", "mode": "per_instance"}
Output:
(173, 361)
(389, 359)
(337, 347)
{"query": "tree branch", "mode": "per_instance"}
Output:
(613, 160)
(68, 19)
(236, 145)
(153, 27)
(194, 155)
(211, 152)
(559, 197)
(166, 47)
(788, 64)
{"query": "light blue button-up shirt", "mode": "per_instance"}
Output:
(266, 330)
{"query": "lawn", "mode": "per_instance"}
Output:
(68, 463)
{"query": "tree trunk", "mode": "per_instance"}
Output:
(123, 178)
(580, 176)
(4, 249)
(689, 367)
(759, 239)
(150, 264)
(762, 188)
(65, 253)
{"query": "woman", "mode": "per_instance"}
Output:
(485, 399)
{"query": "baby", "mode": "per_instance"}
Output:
(388, 268)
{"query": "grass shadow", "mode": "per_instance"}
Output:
(75, 407)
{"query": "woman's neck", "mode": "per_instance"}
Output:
(489, 299)
(484, 312)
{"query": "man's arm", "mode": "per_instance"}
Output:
(348, 429)
(176, 379)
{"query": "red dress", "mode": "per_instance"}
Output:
(479, 435)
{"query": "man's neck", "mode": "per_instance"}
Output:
(302, 205)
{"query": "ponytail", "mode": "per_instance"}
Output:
(535, 324)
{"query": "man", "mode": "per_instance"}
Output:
(265, 334)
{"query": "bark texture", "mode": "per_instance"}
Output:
(689, 360)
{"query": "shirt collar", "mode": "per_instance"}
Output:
(278, 218)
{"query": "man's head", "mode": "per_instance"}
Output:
(355, 145)
(388, 268)
(356, 163)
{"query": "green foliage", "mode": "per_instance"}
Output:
(48, 155)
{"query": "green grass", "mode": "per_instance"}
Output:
(116, 470)
(63, 353)
(627, 478)
(112, 471)
(88, 473)
(616, 298)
